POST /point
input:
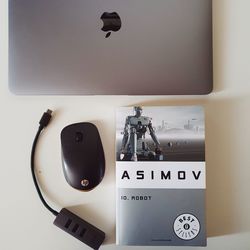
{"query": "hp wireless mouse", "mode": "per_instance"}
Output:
(82, 156)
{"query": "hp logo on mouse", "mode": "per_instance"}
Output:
(84, 182)
(186, 226)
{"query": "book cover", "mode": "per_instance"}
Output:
(160, 176)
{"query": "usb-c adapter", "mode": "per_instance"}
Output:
(67, 221)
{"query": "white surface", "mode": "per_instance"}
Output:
(25, 224)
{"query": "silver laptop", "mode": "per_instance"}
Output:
(110, 47)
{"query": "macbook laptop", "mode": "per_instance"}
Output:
(110, 47)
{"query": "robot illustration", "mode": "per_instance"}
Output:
(134, 146)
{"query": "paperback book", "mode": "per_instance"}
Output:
(160, 176)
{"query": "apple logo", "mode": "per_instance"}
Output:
(111, 22)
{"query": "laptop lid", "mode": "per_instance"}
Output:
(113, 47)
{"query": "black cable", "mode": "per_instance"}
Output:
(43, 123)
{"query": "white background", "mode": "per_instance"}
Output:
(26, 225)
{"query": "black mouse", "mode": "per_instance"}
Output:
(82, 156)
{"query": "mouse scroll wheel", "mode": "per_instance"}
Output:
(79, 137)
